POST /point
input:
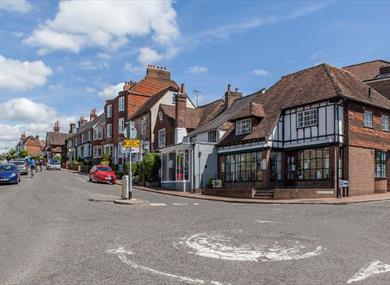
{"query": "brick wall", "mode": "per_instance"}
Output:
(303, 193)
(232, 190)
(361, 171)
(360, 136)
(169, 126)
(33, 147)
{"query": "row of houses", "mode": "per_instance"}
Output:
(299, 138)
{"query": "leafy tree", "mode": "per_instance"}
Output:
(57, 156)
(11, 154)
(23, 154)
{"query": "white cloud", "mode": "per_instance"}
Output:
(24, 115)
(260, 72)
(148, 55)
(132, 68)
(18, 75)
(111, 91)
(20, 6)
(197, 69)
(106, 24)
(89, 89)
(89, 65)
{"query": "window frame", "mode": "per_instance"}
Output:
(121, 125)
(160, 132)
(380, 164)
(239, 127)
(109, 131)
(109, 111)
(385, 123)
(212, 136)
(370, 121)
(303, 119)
(121, 104)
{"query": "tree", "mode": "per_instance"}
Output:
(57, 156)
(23, 154)
(11, 154)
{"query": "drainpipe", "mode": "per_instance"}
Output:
(193, 169)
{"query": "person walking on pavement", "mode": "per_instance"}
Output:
(40, 165)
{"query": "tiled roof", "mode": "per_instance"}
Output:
(196, 118)
(318, 83)
(149, 86)
(237, 108)
(367, 70)
(151, 102)
(54, 138)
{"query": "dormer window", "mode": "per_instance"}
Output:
(307, 118)
(243, 126)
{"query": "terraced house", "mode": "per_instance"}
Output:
(119, 110)
(308, 131)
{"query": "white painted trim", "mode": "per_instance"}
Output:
(243, 148)
(330, 140)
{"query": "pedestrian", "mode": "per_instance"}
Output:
(33, 165)
(40, 165)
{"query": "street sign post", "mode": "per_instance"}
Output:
(129, 144)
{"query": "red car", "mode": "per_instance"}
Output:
(102, 173)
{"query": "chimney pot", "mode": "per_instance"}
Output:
(182, 90)
(229, 87)
(235, 89)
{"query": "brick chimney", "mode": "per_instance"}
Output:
(23, 136)
(180, 115)
(93, 115)
(72, 128)
(56, 127)
(37, 137)
(159, 72)
(231, 96)
(82, 122)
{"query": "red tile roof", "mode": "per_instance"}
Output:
(149, 86)
(367, 70)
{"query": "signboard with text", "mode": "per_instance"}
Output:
(129, 143)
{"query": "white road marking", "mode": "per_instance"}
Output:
(179, 204)
(123, 256)
(375, 267)
(157, 204)
(265, 222)
(220, 247)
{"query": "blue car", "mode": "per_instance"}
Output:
(9, 173)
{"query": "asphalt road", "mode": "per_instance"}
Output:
(58, 228)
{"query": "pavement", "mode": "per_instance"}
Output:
(58, 228)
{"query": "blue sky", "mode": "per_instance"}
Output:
(60, 60)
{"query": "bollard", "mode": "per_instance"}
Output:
(125, 187)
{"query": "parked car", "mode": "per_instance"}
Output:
(102, 173)
(53, 164)
(9, 173)
(22, 166)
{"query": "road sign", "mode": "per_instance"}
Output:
(129, 143)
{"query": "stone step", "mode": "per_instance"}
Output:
(264, 194)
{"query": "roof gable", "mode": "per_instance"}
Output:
(367, 70)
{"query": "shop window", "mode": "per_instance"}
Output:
(368, 119)
(380, 164)
(182, 165)
(243, 167)
(313, 164)
(307, 118)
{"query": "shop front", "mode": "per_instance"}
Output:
(176, 168)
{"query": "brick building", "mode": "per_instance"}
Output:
(308, 131)
(55, 142)
(119, 110)
(184, 161)
(33, 145)
(375, 73)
